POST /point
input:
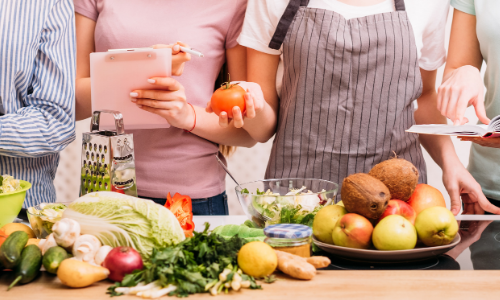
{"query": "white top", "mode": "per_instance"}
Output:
(428, 19)
(351, 12)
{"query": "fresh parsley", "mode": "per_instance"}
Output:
(193, 265)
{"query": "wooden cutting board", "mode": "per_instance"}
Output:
(350, 285)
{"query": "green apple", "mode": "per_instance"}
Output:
(436, 226)
(394, 232)
(325, 220)
(353, 231)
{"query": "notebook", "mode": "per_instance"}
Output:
(116, 73)
(491, 130)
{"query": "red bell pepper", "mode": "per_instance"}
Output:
(182, 207)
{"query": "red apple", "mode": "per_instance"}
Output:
(353, 231)
(426, 196)
(399, 207)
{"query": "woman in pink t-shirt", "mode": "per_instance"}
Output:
(180, 158)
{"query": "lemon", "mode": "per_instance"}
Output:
(12, 227)
(257, 259)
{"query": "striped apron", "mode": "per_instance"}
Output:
(347, 94)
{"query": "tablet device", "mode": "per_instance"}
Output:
(116, 73)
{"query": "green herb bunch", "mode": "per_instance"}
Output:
(193, 266)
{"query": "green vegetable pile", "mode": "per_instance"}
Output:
(204, 263)
(245, 231)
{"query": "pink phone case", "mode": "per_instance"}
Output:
(115, 74)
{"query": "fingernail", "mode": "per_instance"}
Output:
(176, 48)
(133, 99)
(457, 122)
(134, 94)
(138, 105)
(151, 81)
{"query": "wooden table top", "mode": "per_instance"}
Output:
(425, 285)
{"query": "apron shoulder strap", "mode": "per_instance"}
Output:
(400, 5)
(285, 21)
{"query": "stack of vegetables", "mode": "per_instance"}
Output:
(142, 247)
(205, 262)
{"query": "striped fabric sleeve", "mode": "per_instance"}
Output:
(46, 123)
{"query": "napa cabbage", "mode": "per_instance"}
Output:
(121, 220)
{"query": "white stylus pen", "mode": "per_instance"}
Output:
(183, 49)
(191, 51)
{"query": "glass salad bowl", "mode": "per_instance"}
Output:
(43, 216)
(287, 200)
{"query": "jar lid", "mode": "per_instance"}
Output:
(288, 231)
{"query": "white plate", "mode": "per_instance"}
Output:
(372, 255)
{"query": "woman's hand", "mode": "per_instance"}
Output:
(169, 102)
(460, 183)
(254, 102)
(178, 58)
(485, 142)
(463, 87)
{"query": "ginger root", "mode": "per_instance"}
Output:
(319, 261)
(295, 266)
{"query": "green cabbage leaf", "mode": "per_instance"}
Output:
(121, 220)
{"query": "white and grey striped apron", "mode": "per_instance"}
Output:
(347, 94)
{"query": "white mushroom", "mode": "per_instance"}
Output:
(101, 254)
(49, 243)
(40, 244)
(86, 247)
(66, 231)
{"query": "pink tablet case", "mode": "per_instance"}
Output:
(115, 74)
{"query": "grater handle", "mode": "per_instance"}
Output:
(96, 116)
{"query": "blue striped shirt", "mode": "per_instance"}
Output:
(37, 90)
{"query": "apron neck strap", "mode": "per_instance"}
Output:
(400, 5)
(285, 21)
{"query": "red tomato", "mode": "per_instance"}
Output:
(226, 97)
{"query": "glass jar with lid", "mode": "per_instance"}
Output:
(291, 238)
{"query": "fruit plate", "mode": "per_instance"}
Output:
(378, 256)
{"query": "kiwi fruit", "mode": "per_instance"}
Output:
(365, 195)
(399, 175)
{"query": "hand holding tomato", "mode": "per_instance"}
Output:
(241, 100)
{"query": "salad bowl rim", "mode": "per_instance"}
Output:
(38, 205)
(239, 187)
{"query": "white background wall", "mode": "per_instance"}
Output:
(246, 164)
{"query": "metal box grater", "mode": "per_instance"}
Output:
(108, 158)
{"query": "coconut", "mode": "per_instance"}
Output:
(365, 195)
(399, 175)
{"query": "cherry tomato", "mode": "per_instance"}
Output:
(226, 97)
